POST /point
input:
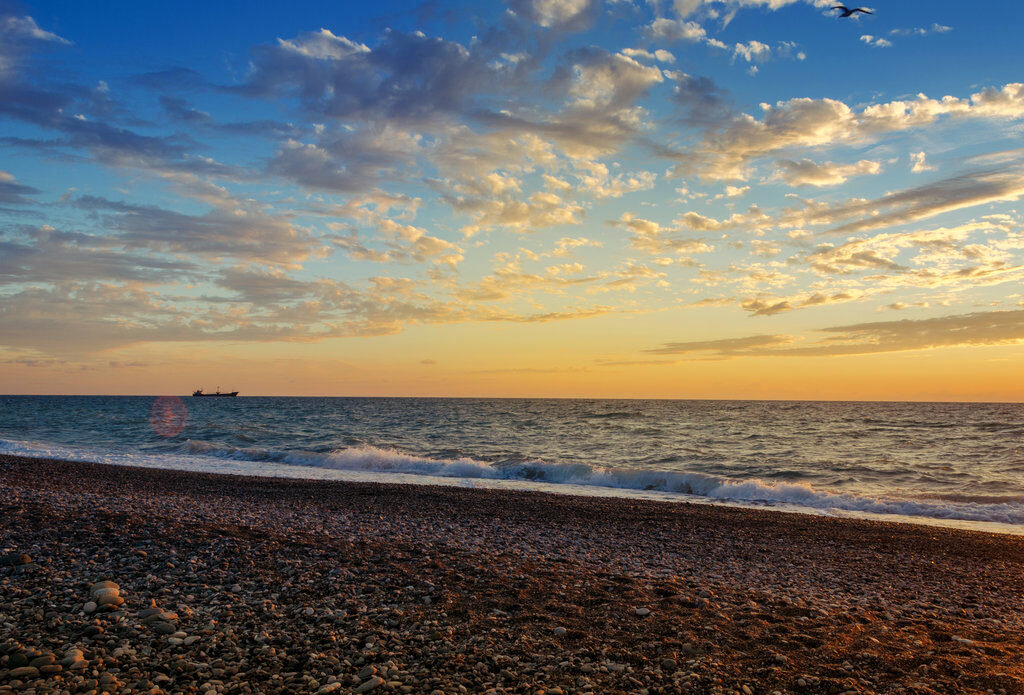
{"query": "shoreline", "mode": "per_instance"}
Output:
(278, 470)
(291, 584)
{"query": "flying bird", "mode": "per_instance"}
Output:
(847, 12)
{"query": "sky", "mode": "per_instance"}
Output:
(532, 198)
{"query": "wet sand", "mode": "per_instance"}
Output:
(245, 585)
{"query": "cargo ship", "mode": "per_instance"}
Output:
(198, 393)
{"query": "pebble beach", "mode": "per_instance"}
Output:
(131, 580)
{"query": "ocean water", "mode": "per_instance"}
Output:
(941, 463)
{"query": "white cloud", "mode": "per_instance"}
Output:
(935, 28)
(726, 152)
(876, 41)
(22, 28)
(676, 30)
(918, 163)
(752, 50)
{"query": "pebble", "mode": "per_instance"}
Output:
(109, 599)
(14, 559)
(370, 556)
(71, 656)
(89, 607)
(372, 684)
(44, 660)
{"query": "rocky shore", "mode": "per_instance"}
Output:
(126, 580)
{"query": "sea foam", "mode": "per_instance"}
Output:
(372, 463)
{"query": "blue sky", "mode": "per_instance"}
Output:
(677, 181)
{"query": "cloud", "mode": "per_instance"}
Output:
(566, 245)
(12, 192)
(1003, 183)
(943, 255)
(686, 8)
(265, 305)
(46, 255)
(540, 210)
(230, 229)
(876, 41)
(656, 239)
(675, 30)
(918, 163)
(403, 244)
(599, 183)
(262, 286)
(752, 51)
(982, 328)
(406, 77)
(922, 202)
(19, 36)
(728, 151)
(346, 161)
(727, 347)
(660, 55)
(976, 329)
(17, 29)
(509, 279)
(703, 101)
(563, 15)
(805, 172)
(79, 115)
(935, 28)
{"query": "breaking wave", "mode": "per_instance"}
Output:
(381, 463)
(1008, 510)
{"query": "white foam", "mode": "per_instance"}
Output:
(367, 463)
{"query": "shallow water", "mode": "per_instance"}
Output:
(958, 462)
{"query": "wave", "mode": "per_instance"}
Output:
(1007, 510)
(367, 459)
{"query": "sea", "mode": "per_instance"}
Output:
(945, 464)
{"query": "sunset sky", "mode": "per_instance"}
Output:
(599, 198)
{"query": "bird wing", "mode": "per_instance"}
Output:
(861, 9)
(844, 8)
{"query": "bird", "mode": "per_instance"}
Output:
(847, 12)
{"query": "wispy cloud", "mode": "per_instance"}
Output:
(977, 329)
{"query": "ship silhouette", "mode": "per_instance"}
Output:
(198, 393)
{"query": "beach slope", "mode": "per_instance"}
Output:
(242, 585)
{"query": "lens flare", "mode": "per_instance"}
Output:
(168, 416)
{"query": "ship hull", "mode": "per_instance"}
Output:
(215, 395)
